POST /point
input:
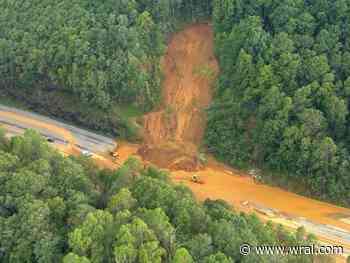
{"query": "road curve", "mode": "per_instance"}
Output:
(329, 223)
(17, 121)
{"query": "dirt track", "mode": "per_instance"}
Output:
(174, 132)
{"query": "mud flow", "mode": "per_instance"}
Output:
(174, 133)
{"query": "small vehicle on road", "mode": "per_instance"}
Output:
(114, 153)
(87, 153)
(50, 139)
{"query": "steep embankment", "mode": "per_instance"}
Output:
(174, 133)
(185, 128)
(173, 136)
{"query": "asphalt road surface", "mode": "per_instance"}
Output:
(17, 121)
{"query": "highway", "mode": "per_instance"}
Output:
(70, 139)
(17, 121)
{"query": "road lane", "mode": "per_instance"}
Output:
(17, 121)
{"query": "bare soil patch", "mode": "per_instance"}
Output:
(174, 132)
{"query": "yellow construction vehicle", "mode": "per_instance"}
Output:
(114, 153)
(197, 179)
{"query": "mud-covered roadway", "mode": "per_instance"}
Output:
(173, 134)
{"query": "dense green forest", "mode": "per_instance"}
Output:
(89, 54)
(282, 97)
(280, 103)
(100, 51)
(63, 209)
(281, 100)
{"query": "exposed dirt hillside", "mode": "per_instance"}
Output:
(174, 132)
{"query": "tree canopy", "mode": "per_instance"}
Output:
(52, 209)
(281, 101)
(101, 52)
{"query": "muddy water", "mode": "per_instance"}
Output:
(189, 68)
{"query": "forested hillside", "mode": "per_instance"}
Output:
(102, 52)
(282, 98)
(280, 103)
(55, 208)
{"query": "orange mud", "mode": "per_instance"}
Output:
(175, 131)
(125, 151)
(227, 184)
(173, 134)
(21, 119)
(49, 127)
